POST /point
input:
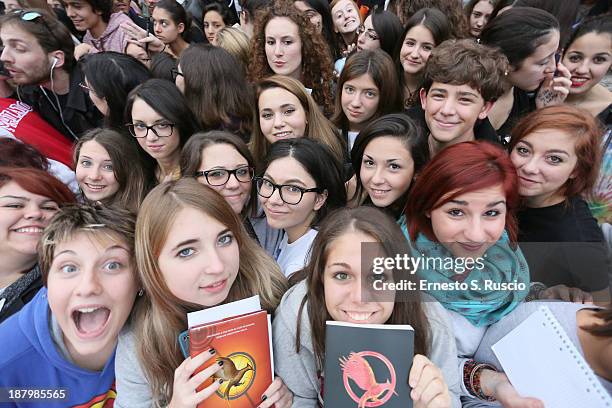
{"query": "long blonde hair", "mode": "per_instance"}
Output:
(318, 127)
(161, 316)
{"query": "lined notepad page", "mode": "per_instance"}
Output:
(541, 362)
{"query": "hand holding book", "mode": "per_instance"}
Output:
(184, 390)
(427, 382)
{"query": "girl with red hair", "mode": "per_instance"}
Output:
(29, 197)
(459, 219)
(557, 155)
(462, 207)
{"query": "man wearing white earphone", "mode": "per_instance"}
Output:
(39, 56)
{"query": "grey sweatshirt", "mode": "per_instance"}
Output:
(299, 370)
(133, 390)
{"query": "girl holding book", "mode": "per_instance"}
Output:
(192, 252)
(461, 212)
(333, 290)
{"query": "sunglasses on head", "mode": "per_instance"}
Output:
(35, 16)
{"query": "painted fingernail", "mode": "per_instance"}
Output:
(220, 380)
(220, 362)
(212, 351)
(264, 397)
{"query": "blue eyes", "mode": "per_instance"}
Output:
(226, 240)
(222, 241)
(68, 269)
(186, 252)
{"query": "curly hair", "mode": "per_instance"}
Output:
(451, 9)
(316, 60)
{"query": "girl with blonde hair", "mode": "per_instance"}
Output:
(192, 252)
(236, 42)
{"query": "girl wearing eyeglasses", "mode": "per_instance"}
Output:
(222, 161)
(161, 122)
(301, 183)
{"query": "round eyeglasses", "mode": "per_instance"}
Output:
(218, 177)
(289, 193)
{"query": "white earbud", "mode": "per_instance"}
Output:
(55, 61)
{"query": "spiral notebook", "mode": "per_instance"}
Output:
(558, 374)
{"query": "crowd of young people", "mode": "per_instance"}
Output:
(166, 157)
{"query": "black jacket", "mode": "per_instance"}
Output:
(78, 113)
(14, 297)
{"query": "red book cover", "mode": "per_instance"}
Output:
(243, 344)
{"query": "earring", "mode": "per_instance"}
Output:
(140, 292)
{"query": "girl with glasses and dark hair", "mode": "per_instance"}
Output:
(161, 122)
(109, 78)
(301, 183)
(223, 162)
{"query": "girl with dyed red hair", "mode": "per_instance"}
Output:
(462, 207)
(460, 221)
(28, 199)
(557, 155)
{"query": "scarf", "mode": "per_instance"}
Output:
(481, 305)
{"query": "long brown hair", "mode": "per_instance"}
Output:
(128, 168)
(382, 228)
(219, 95)
(379, 66)
(318, 127)
(162, 316)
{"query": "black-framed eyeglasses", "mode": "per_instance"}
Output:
(175, 73)
(289, 193)
(218, 177)
(34, 16)
(140, 130)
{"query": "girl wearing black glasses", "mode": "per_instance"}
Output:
(302, 182)
(161, 122)
(222, 161)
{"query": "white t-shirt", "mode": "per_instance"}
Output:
(292, 257)
(352, 136)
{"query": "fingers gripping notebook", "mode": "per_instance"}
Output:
(541, 361)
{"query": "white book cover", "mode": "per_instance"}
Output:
(213, 314)
(541, 362)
